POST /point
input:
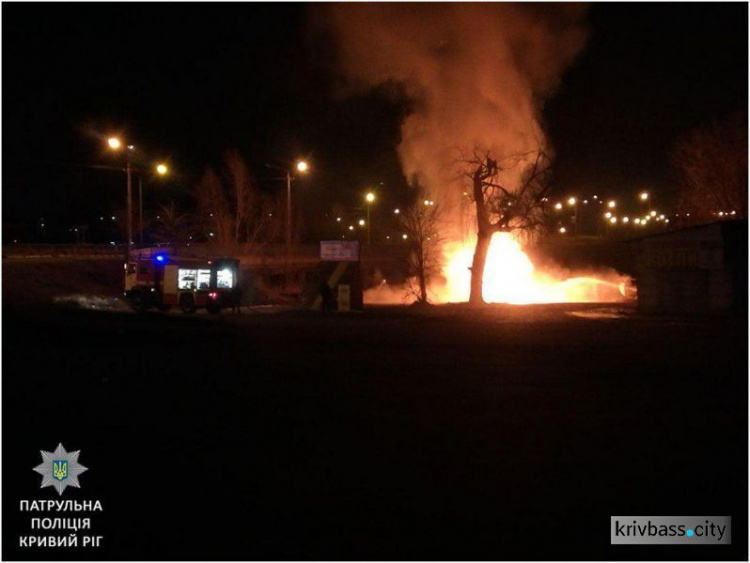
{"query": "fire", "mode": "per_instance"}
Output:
(511, 277)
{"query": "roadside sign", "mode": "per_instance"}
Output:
(339, 251)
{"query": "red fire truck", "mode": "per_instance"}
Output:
(161, 281)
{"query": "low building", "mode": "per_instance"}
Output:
(697, 270)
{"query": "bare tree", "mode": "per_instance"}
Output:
(500, 208)
(171, 225)
(243, 194)
(213, 211)
(712, 164)
(420, 223)
(232, 206)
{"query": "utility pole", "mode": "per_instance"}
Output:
(140, 208)
(288, 226)
(130, 209)
(369, 238)
(288, 214)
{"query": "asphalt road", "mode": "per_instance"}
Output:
(511, 433)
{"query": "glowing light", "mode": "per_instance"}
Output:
(161, 169)
(160, 258)
(351, 227)
(608, 214)
(510, 277)
(114, 143)
(361, 222)
(626, 220)
(563, 230)
(653, 214)
(643, 196)
(338, 219)
(370, 197)
(558, 206)
(302, 166)
(404, 236)
(572, 201)
(397, 211)
(611, 204)
(637, 221)
(613, 220)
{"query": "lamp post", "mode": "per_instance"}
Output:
(573, 202)
(161, 170)
(370, 199)
(115, 144)
(302, 167)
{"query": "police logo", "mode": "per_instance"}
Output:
(60, 469)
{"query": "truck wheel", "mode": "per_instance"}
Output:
(187, 303)
(213, 308)
(138, 302)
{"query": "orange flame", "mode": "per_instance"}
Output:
(510, 277)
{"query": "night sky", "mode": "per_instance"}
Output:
(183, 82)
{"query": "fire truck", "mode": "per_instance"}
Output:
(161, 281)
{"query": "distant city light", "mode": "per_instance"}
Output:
(643, 196)
(370, 197)
(558, 206)
(611, 204)
(572, 201)
(302, 166)
(114, 143)
(563, 230)
(361, 222)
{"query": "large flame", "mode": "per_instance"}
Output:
(510, 277)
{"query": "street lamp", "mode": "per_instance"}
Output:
(115, 144)
(302, 167)
(161, 170)
(573, 203)
(370, 199)
(643, 196)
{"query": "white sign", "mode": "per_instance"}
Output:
(339, 251)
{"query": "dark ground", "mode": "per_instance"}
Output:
(514, 433)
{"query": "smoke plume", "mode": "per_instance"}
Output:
(476, 75)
